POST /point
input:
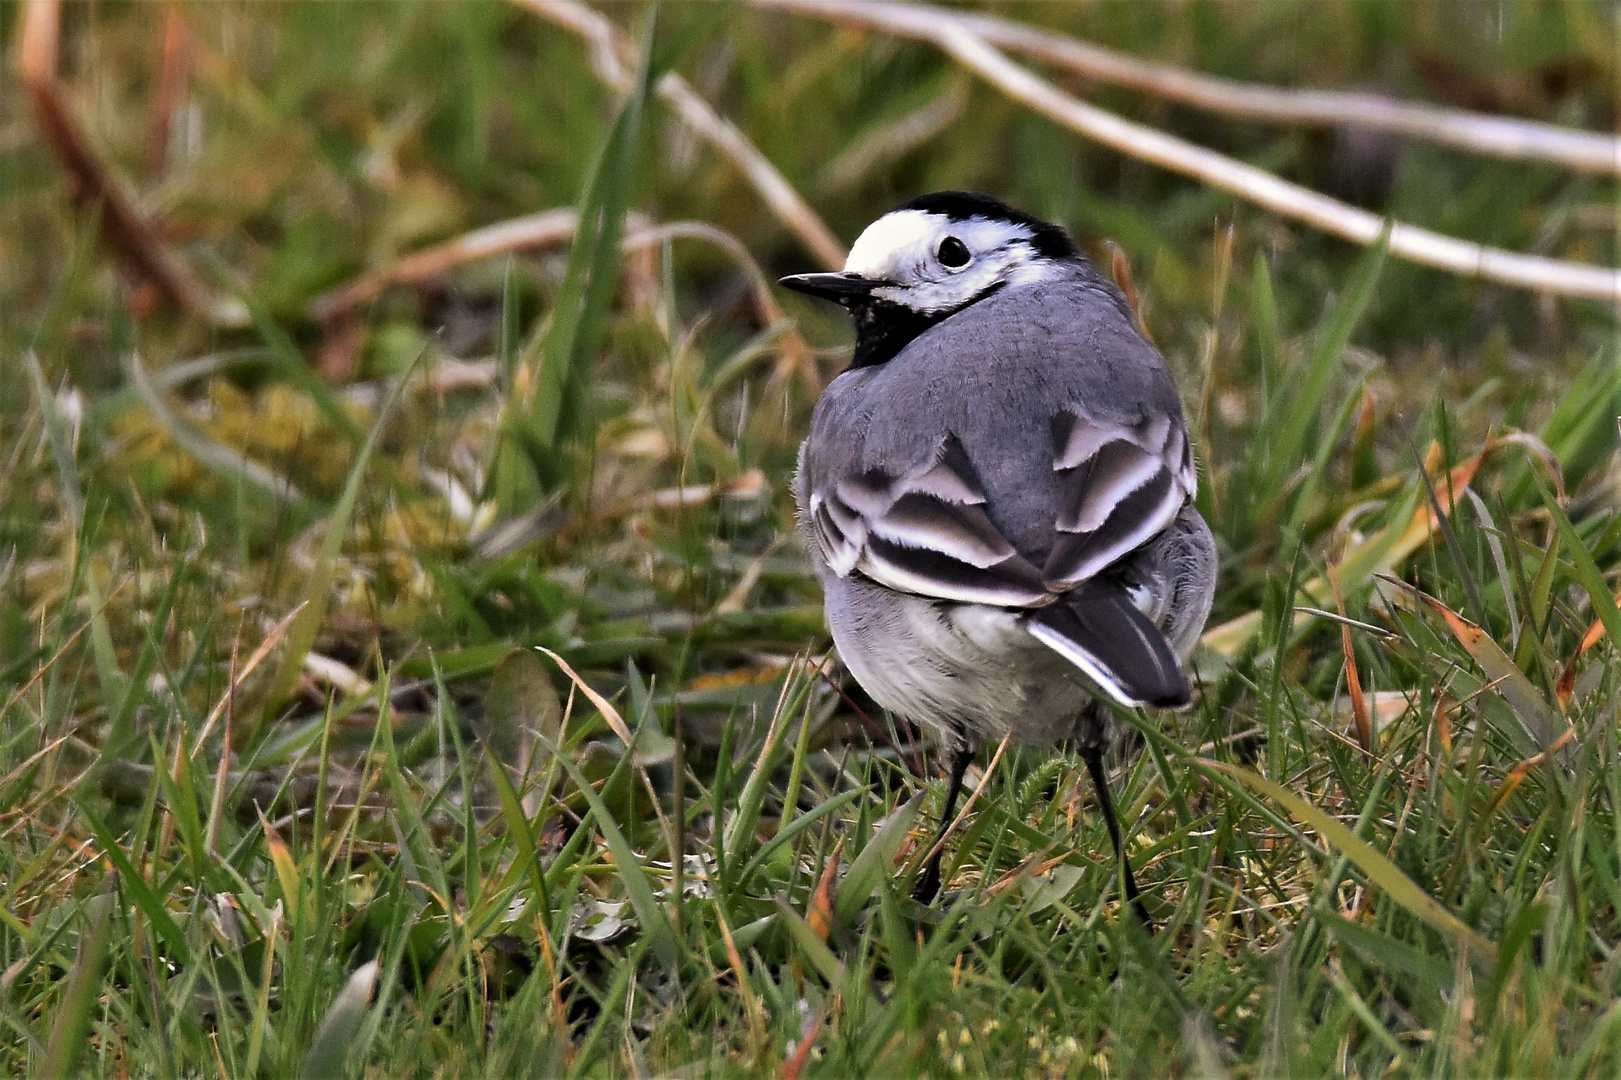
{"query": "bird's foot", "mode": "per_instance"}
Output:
(927, 886)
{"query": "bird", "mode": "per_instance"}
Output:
(997, 493)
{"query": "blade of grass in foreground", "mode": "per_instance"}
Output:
(71, 1017)
(71, 492)
(560, 410)
(332, 1040)
(1380, 870)
(655, 923)
(876, 859)
(1587, 571)
(318, 588)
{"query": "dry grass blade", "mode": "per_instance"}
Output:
(1497, 136)
(1567, 678)
(129, 232)
(174, 73)
(1246, 181)
(973, 797)
(609, 713)
(1353, 679)
(609, 52)
(1519, 772)
(1546, 727)
(240, 676)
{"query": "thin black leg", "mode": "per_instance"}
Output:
(928, 883)
(1093, 756)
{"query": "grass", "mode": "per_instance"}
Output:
(286, 787)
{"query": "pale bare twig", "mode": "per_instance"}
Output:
(546, 229)
(1276, 194)
(534, 231)
(1497, 136)
(123, 225)
(1246, 181)
(611, 54)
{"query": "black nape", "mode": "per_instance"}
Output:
(1048, 239)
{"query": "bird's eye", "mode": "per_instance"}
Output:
(953, 253)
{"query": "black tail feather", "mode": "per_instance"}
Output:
(1098, 629)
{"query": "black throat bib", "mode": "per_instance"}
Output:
(884, 328)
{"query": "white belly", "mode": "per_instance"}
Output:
(963, 670)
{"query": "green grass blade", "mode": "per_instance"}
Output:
(71, 1017)
(649, 912)
(1379, 869)
(793, 829)
(560, 409)
(318, 587)
(1588, 574)
(740, 830)
(71, 491)
(875, 861)
(230, 463)
(140, 891)
(1303, 400)
(291, 365)
(330, 1046)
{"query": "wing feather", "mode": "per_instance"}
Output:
(928, 531)
(1120, 485)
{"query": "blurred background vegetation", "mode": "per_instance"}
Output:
(253, 831)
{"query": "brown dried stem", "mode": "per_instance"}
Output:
(174, 74)
(90, 183)
(612, 54)
(1496, 136)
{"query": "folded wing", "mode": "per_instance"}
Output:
(928, 532)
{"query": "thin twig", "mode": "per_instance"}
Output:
(546, 229)
(1496, 136)
(91, 184)
(174, 74)
(1257, 185)
(611, 53)
(518, 234)
(973, 797)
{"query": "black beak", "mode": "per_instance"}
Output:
(840, 288)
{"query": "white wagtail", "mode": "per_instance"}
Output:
(997, 494)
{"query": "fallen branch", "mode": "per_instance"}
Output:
(1246, 181)
(91, 185)
(1497, 136)
(612, 54)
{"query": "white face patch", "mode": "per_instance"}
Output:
(902, 247)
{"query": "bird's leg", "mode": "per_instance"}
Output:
(1092, 754)
(928, 884)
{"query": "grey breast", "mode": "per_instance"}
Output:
(994, 375)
